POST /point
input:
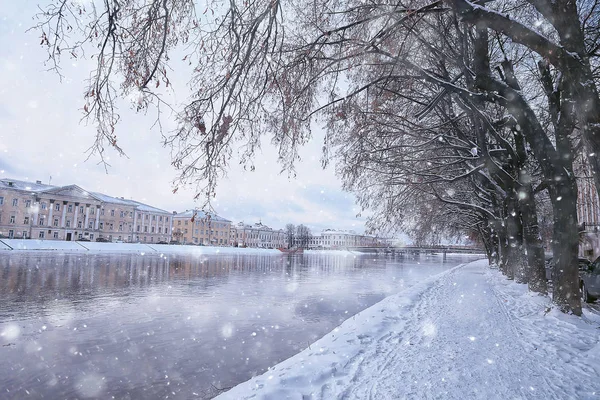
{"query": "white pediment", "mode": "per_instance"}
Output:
(72, 191)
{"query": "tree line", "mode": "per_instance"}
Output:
(443, 117)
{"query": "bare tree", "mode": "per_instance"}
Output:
(303, 236)
(290, 233)
(419, 102)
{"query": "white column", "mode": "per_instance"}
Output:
(50, 221)
(156, 229)
(75, 217)
(97, 218)
(164, 227)
(87, 216)
(64, 214)
(134, 222)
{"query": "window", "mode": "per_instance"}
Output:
(186, 222)
(152, 230)
(44, 205)
(91, 225)
(1, 200)
(42, 234)
(138, 228)
(26, 220)
(41, 223)
(79, 224)
(178, 222)
(55, 221)
(92, 210)
(152, 239)
(12, 219)
(112, 213)
(167, 230)
(80, 209)
(70, 208)
(101, 226)
(160, 218)
(24, 234)
(91, 236)
(112, 227)
(57, 207)
(102, 211)
(68, 223)
(122, 214)
(139, 215)
(11, 234)
(27, 202)
(185, 231)
(145, 229)
(160, 229)
(15, 202)
(120, 227)
(79, 236)
(166, 219)
(55, 234)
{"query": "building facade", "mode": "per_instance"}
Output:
(200, 228)
(336, 239)
(34, 210)
(259, 236)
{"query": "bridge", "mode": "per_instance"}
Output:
(417, 250)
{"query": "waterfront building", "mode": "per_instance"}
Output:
(35, 210)
(201, 228)
(259, 236)
(339, 239)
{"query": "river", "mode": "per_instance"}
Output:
(131, 326)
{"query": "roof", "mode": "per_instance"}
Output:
(199, 214)
(24, 185)
(146, 207)
(109, 199)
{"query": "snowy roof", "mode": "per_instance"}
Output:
(199, 214)
(109, 199)
(23, 185)
(146, 207)
(336, 232)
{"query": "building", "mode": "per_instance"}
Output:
(259, 236)
(337, 239)
(198, 227)
(38, 211)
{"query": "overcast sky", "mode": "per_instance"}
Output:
(41, 136)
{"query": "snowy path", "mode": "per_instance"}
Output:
(467, 333)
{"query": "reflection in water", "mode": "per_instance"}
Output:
(131, 326)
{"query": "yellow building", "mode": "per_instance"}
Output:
(198, 227)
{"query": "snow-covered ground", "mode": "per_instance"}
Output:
(466, 333)
(34, 244)
(64, 246)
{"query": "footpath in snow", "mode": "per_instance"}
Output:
(467, 333)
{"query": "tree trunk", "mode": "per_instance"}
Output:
(533, 240)
(503, 248)
(565, 243)
(517, 267)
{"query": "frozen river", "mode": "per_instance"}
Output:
(129, 326)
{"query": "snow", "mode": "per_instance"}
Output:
(145, 248)
(34, 244)
(465, 333)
